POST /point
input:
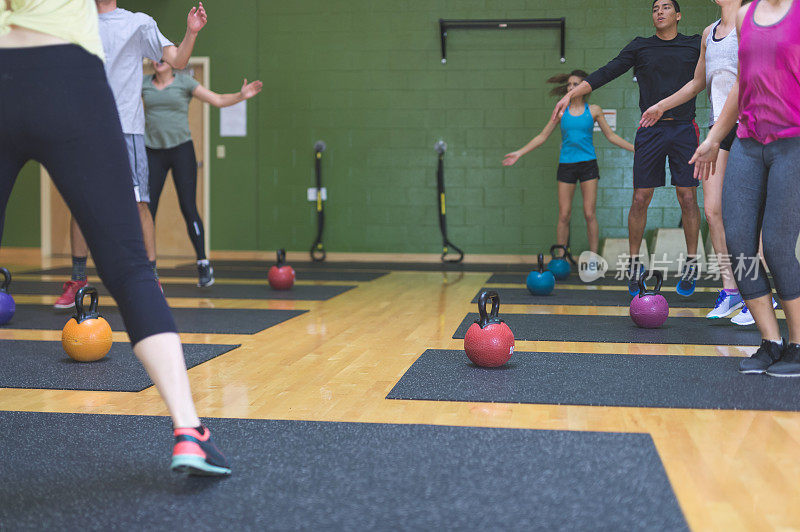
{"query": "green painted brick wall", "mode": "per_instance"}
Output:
(23, 223)
(366, 77)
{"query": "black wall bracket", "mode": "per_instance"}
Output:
(523, 23)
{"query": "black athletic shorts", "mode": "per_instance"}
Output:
(666, 140)
(727, 142)
(573, 172)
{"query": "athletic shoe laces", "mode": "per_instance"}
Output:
(721, 298)
(763, 352)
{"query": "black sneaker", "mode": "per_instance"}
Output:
(205, 275)
(635, 270)
(788, 365)
(688, 278)
(765, 357)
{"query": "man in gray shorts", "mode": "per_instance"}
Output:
(128, 38)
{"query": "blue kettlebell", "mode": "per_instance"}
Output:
(541, 283)
(559, 265)
(7, 305)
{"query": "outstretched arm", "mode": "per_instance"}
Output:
(224, 100)
(613, 138)
(692, 88)
(178, 56)
(581, 90)
(612, 70)
(538, 140)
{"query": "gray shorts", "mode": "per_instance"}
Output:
(137, 155)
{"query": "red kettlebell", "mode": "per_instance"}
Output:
(489, 342)
(281, 276)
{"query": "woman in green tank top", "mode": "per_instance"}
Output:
(169, 144)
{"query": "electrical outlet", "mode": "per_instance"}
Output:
(221, 151)
(312, 194)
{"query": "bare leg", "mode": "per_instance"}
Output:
(687, 197)
(77, 243)
(162, 358)
(712, 203)
(766, 321)
(637, 218)
(589, 193)
(148, 230)
(792, 311)
(566, 191)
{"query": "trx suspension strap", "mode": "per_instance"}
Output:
(317, 248)
(440, 148)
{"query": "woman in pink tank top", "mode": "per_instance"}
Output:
(761, 191)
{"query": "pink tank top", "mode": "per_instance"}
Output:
(769, 80)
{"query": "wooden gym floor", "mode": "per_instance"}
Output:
(730, 470)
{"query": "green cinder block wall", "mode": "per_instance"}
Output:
(366, 77)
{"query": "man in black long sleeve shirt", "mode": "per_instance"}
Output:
(662, 64)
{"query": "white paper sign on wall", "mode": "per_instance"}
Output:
(233, 120)
(611, 118)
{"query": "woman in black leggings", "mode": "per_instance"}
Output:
(56, 108)
(169, 145)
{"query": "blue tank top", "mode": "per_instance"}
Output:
(576, 137)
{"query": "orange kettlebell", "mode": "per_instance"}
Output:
(87, 335)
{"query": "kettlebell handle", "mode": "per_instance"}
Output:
(281, 257)
(6, 280)
(643, 291)
(540, 258)
(485, 319)
(80, 309)
(554, 247)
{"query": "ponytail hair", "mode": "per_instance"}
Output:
(561, 81)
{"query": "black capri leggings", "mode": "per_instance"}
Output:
(183, 163)
(56, 108)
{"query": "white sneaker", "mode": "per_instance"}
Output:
(726, 305)
(745, 318)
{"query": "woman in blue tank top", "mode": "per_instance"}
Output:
(578, 161)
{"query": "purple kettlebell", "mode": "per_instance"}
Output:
(649, 309)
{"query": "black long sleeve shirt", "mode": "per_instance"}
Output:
(661, 68)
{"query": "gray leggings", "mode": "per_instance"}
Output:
(761, 194)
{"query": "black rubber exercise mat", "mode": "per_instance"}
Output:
(612, 329)
(608, 280)
(646, 381)
(390, 266)
(101, 472)
(605, 298)
(222, 273)
(217, 291)
(188, 320)
(45, 365)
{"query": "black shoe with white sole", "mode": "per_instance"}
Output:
(788, 365)
(766, 356)
(205, 275)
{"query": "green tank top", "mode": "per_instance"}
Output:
(166, 112)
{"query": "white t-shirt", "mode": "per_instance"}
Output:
(128, 38)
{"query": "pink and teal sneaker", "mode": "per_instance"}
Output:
(195, 454)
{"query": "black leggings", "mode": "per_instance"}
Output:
(56, 108)
(183, 163)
